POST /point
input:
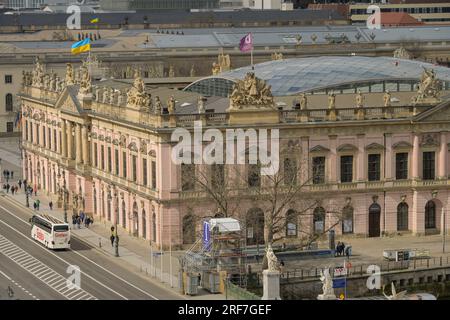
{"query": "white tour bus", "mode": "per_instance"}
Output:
(51, 232)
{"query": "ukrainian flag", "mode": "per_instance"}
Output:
(81, 46)
(95, 20)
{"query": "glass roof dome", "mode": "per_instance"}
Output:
(293, 76)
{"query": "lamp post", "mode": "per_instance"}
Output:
(1, 172)
(64, 191)
(116, 215)
(27, 195)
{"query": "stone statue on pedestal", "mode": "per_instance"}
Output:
(251, 92)
(171, 105)
(271, 277)
(85, 81)
(359, 100)
(387, 99)
(429, 88)
(331, 100)
(69, 75)
(327, 286)
(303, 102)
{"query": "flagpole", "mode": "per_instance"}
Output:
(251, 59)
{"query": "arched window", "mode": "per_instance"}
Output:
(144, 224)
(9, 102)
(254, 222)
(188, 229)
(347, 219)
(402, 217)
(430, 215)
(319, 220)
(291, 223)
(124, 215)
(187, 177)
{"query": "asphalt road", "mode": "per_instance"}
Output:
(43, 273)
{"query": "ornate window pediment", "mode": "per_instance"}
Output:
(115, 142)
(94, 135)
(430, 140)
(319, 148)
(152, 153)
(133, 147)
(346, 147)
(108, 139)
(101, 137)
(375, 146)
(401, 144)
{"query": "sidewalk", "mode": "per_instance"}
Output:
(135, 252)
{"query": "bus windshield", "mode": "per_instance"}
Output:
(60, 228)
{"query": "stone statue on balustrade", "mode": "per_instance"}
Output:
(171, 105)
(38, 74)
(70, 77)
(215, 68)
(251, 92)
(359, 100)
(171, 72)
(387, 99)
(85, 81)
(331, 100)
(303, 102)
(192, 72)
(429, 88)
(200, 105)
(137, 97)
(158, 105)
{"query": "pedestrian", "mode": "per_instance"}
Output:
(78, 222)
(25, 184)
(20, 183)
(12, 190)
(348, 252)
(38, 202)
(34, 206)
(112, 236)
(7, 187)
(82, 216)
(50, 205)
(35, 191)
(86, 222)
(74, 220)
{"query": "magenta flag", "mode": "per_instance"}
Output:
(246, 43)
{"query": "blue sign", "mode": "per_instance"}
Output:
(206, 236)
(339, 283)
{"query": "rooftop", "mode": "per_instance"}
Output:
(293, 76)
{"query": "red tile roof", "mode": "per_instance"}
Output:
(398, 19)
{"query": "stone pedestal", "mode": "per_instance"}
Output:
(326, 297)
(271, 285)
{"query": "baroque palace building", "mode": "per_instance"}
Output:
(374, 145)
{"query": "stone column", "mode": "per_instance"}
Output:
(443, 156)
(304, 164)
(85, 145)
(415, 157)
(78, 148)
(332, 163)
(271, 285)
(29, 130)
(360, 167)
(69, 140)
(388, 158)
(63, 139)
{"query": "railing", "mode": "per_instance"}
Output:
(361, 270)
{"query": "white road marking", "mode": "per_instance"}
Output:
(77, 253)
(38, 274)
(18, 285)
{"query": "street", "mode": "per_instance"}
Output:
(43, 273)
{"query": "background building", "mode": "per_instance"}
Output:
(158, 4)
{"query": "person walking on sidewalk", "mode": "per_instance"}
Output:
(74, 220)
(86, 222)
(35, 191)
(50, 205)
(19, 183)
(34, 206)
(112, 238)
(38, 202)
(12, 190)
(82, 216)
(7, 187)
(78, 222)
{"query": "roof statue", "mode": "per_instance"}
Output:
(224, 62)
(85, 81)
(359, 100)
(402, 53)
(277, 56)
(158, 105)
(215, 68)
(171, 72)
(429, 88)
(331, 100)
(171, 105)
(136, 95)
(200, 105)
(272, 260)
(192, 72)
(251, 92)
(38, 73)
(303, 102)
(387, 99)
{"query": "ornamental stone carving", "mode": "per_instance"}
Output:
(303, 102)
(38, 74)
(136, 95)
(402, 53)
(387, 99)
(272, 260)
(171, 105)
(359, 100)
(70, 77)
(331, 100)
(158, 105)
(429, 88)
(85, 81)
(251, 92)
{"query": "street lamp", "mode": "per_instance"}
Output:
(27, 195)
(116, 218)
(64, 191)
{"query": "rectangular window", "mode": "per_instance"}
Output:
(102, 155)
(124, 164)
(95, 155)
(346, 168)
(153, 186)
(144, 172)
(55, 141)
(428, 166)
(318, 170)
(8, 78)
(38, 138)
(49, 134)
(109, 160)
(374, 167)
(401, 166)
(9, 127)
(44, 137)
(134, 164)
(116, 162)
(26, 130)
(31, 133)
